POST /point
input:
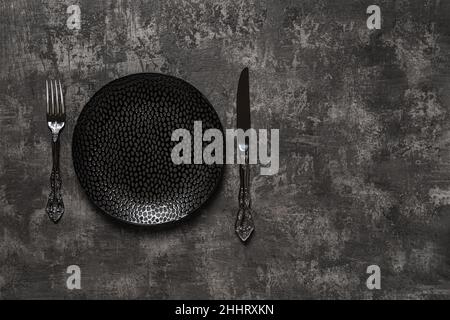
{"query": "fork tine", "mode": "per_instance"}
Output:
(46, 86)
(62, 98)
(57, 107)
(53, 104)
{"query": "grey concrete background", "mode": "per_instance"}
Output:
(365, 148)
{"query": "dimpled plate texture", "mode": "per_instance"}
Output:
(122, 147)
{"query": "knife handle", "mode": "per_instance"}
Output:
(244, 221)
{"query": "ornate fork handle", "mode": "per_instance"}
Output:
(55, 204)
(244, 222)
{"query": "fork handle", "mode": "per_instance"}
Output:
(55, 204)
(244, 221)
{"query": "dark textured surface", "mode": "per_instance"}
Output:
(122, 146)
(364, 157)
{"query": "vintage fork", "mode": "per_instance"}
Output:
(56, 117)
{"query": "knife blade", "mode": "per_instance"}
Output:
(243, 101)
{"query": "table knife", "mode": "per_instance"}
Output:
(244, 226)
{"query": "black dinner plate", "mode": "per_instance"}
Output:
(122, 148)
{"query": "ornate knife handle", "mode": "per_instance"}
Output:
(244, 222)
(55, 204)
